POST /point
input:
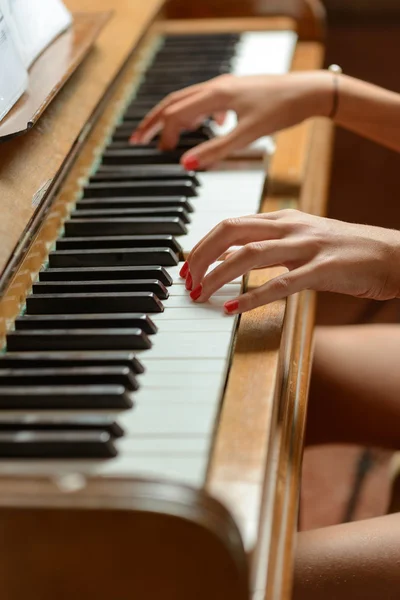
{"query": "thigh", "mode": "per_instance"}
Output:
(355, 386)
(351, 561)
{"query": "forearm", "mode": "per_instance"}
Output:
(366, 109)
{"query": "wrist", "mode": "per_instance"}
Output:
(321, 94)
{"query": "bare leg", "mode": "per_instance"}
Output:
(355, 561)
(355, 387)
(354, 398)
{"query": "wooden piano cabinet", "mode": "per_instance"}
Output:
(309, 14)
(117, 538)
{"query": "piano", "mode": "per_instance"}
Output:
(149, 446)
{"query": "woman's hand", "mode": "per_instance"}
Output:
(320, 254)
(263, 104)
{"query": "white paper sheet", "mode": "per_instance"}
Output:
(35, 24)
(13, 75)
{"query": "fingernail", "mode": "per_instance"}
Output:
(231, 306)
(191, 163)
(133, 138)
(189, 281)
(184, 271)
(195, 295)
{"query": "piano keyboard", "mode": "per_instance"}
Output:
(111, 367)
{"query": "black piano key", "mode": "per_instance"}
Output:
(141, 157)
(183, 144)
(124, 130)
(106, 273)
(63, 444)
(112, 321)
(126, 226)
(179, 187)
(115, 213)
(162, 73)
(76, 287)
(171, 202)
(144, 173)
(57, 304)
(42, 360)
(69, 376)
(77, 339)
(159, 91)
(65, 397)
(105, 257)
(206, 37)
(76, 423)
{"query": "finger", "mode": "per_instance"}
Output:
(231, 232)
(278, 288)
(265, 254)
(153, 119)
(219, 117)
(187, 114)
(220, 147)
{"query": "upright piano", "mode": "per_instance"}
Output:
(149, 446)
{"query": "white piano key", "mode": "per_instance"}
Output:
(174, 418)
(209, 325)
(153, 446)
(187, 365)
(194, 312)
(181, 345)
(261, 53)
(186, 380)
(213, 304)
(222, 195)
(227, 290)
(190, 470)
(195, 392)
(265, 53)
(177, 280)
(230, 190)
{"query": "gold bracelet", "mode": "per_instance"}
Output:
(335, 70)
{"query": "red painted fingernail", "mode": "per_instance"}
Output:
(133, 138)
(191, 163)
(184, 271)
(195, 295)
(189, 281)
(231, 306)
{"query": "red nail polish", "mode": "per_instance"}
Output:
(195, 295)
(191, 163)
(231, 306)
(189, 281)
(184, 271)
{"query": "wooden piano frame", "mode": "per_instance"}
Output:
(112, 538)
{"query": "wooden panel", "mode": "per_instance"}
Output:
(226, 25)
(116, 539)
(52, 70)
(29, 162)
(309, 14)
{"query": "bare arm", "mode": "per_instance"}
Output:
(370, 111)
(267, 104)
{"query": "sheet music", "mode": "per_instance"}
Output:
(13, 75)
(35, 24)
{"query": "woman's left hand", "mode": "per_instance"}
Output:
(319, 254)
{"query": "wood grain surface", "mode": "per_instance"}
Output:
(27, 163)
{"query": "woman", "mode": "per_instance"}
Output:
(355, 388)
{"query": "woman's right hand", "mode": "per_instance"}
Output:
(263, 105)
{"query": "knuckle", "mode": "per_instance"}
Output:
(281, 284)
(231, 224)
(253, 249)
